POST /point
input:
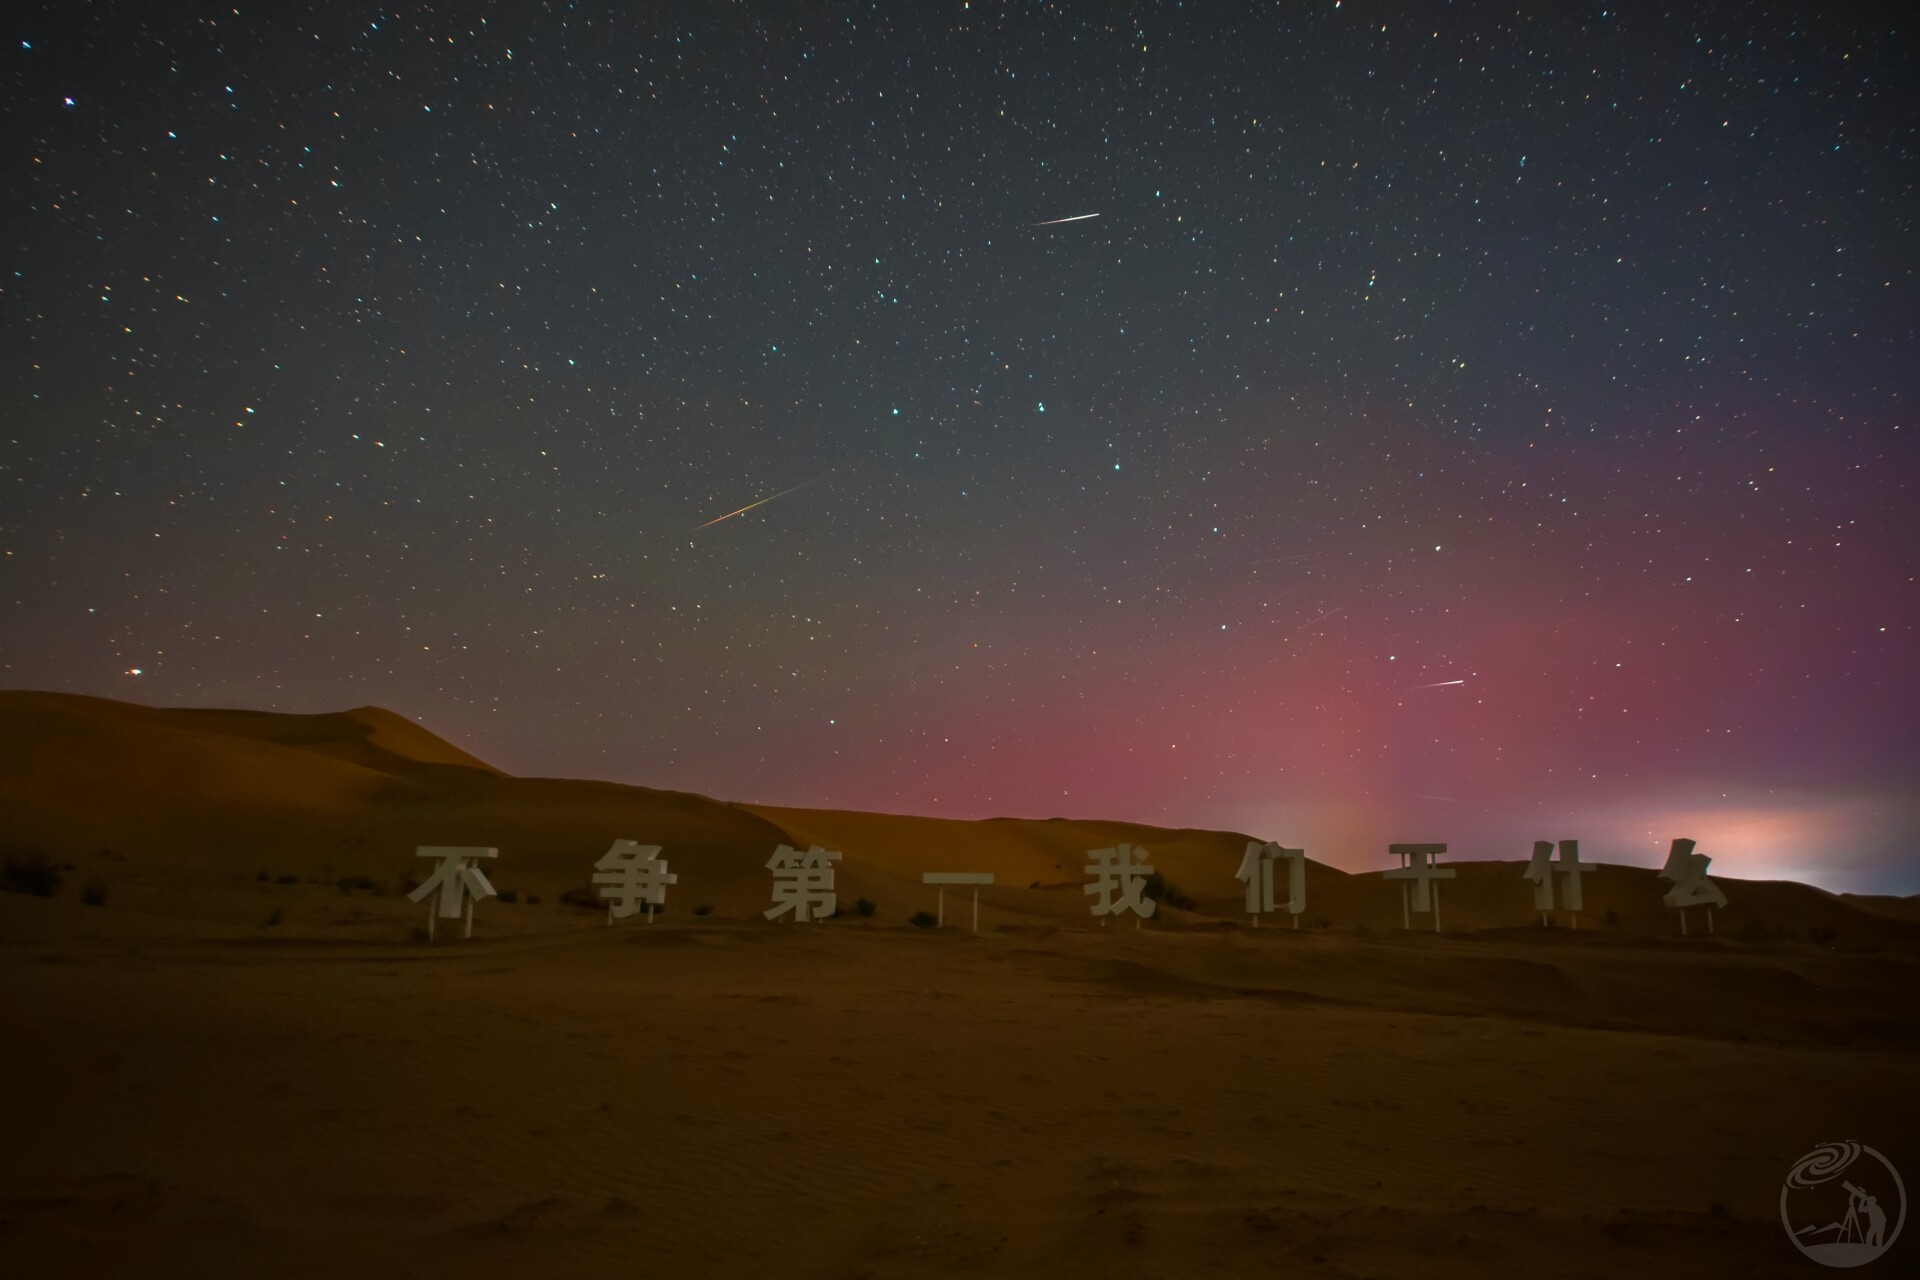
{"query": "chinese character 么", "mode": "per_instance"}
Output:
(1691, 888)
(457, 879)
(802, 883)
(630, 874)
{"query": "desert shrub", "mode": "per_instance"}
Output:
(419, 933)
(29, 871)
(286, 879)
(273, 918)
(863, 908)
(533, 899)
(509, 895)
(703, 910)
(1161, 889)
(262, 876)
(1821, 935)
(583, 897)
(347, 884)
(1613, 918)
(923, 920)
(94, 893)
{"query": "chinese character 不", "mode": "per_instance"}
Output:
(457, 879)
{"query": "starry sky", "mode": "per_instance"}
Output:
(1460, 422)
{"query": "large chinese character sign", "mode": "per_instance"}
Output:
(631, 875)
(1691, 888)
(945, 878)
(1420, 872)
(457, 881)
(1540, 870)
(802, 883)
(1120, 882)
(1258, 873)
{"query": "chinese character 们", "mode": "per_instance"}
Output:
(1257, 871)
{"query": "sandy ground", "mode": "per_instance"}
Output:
(720, 1098)
(241, 1065)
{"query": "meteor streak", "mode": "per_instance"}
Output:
(1322, 618)
(1054, 222)
(1439, 684)
(763, 502)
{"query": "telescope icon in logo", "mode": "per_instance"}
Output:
(1843, 1204)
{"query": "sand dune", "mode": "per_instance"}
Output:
(185, 809)
(240, 1065)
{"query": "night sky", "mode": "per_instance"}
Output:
(1458, 422)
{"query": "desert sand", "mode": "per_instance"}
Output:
(243, 1061)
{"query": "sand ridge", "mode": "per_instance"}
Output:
(185, 810)
(245, 1062)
